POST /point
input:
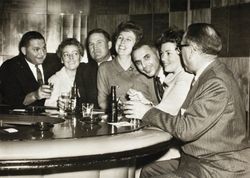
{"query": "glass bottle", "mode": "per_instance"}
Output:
(113, 106)
(73, 99)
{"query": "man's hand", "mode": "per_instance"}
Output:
(135, 109)
(43, 92)
(135, 95)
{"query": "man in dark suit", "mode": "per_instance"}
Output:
(24, 77)
(85, 79)
(211, 123)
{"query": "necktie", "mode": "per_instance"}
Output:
(159, 90)
(39, 75)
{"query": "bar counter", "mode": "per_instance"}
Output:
(73, 148)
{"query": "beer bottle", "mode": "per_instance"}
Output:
(113, 106)
(73, 99)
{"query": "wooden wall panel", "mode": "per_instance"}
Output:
(146, 22)
(24, 6)
(67, 21)
(16, 25)
(84, 28)
(54, 34)
(240, 68)
(180, 5)
(1, 37)
(140, 7)
(239, 36)
(106, 22)
(160, 24)
(77, 27)
(161, 6)
(148, 6)
(199, 4)
(201, 15)
(75, 6)
(54, 6)
(105, 7)
(223, 3)
(219, 15)
(178, 19)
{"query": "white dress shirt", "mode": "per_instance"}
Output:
(33, 69)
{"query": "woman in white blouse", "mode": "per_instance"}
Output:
(70, 52)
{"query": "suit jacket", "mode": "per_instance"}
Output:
(86, 77)
(17, 79)
(212, 126)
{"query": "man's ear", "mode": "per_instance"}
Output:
(23, 50)
(109, 44)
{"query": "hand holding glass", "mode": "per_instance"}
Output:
(63, 102)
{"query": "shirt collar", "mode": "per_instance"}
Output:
(199, 72)
(109, 59)
(120, 69)
(161, 75)
(31, 65)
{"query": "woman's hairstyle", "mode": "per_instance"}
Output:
(69, 41)
(205, 36)
(27, 37)
(172, 35)
(130, 26)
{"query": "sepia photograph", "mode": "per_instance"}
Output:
(124, 88)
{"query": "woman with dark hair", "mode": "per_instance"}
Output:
(84, 75)
(121, 72)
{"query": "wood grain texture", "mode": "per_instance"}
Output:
(54, 6)
(240, 68)
(201, 15)
(199, 4)
(141, 7)
(106, 7)
(54, 28)
(146, 22)
(106, 22)
(24, 6)
(161, 6)
(180, 5)
(75, 6)
(84, 28)
(160, 24)
(67, 27)
(223, 3)
(219, 15)
(16, 24)
(178, 19)
(239, 36)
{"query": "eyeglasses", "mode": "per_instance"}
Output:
(68, 55)
(182, 45)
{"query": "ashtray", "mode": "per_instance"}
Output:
(42, 126)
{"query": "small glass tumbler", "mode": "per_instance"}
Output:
(87, 112)
(65, 98)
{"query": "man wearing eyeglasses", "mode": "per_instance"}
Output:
(24, 77)
(211, 123)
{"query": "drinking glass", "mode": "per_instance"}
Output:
(65, 98)
(87, 112)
